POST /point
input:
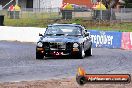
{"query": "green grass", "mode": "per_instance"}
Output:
(121, 27)
(102, 25)
(31, 19)
(24, 22)
(89, 24)
(34, 19)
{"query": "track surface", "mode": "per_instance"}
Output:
(18, 63)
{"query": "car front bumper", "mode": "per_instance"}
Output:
(73, 51)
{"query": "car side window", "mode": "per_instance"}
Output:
(76, 31)
(83, 31)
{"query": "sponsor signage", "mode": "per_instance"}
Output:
(106, 39)
(82, 78)
(126, 41)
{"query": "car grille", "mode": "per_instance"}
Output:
(57, 46)
(54, 46)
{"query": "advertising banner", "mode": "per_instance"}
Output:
(107, 39)
(126, 42)
(131, 39)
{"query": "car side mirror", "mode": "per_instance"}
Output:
(87, 34)
(40, 34)
(86, 30)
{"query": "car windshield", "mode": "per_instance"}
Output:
(59, 30)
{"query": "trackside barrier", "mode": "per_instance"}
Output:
(106, 39)
(102, 39)
(22, 34)
(126, 42)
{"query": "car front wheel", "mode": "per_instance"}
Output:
(39, 56)
(81, 54)
(89, 52)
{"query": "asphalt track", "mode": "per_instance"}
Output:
(18, 63)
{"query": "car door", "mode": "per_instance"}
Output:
(86, 40)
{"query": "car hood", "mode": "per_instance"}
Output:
(62, 39)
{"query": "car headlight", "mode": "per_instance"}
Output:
(75, 45)
(39, 44)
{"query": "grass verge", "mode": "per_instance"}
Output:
(89, 24)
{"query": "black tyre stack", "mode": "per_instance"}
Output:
(1, 20)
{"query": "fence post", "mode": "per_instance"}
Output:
(101, 14)
(121, 14)
(111, 14)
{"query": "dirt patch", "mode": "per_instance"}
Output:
(59, 83)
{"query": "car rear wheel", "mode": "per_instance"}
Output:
(88, 52)
(39, 56)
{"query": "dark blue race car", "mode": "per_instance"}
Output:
(64, 39)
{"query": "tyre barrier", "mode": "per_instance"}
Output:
(1, 20)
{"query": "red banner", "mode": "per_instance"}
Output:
(126, 42)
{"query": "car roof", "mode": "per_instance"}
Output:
(64, 24)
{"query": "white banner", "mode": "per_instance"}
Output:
(22, 34)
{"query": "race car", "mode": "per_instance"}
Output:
(70, 40)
